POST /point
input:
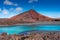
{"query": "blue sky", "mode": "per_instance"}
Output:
(9, 8)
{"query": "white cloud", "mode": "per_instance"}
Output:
(7, 2)
(15, 10)
(10, 12)
(19, 9)
(30, 1)
(5, 11)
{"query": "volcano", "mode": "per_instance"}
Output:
(30, 16)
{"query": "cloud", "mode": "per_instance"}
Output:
(7, 2)
(8, 13)
(5, 11)
(16, 10)
(30, 1)
(19, 9)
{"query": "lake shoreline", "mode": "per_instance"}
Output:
(37, 23)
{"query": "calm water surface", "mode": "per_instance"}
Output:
(19, 29)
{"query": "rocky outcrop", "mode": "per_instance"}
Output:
(32, 36)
